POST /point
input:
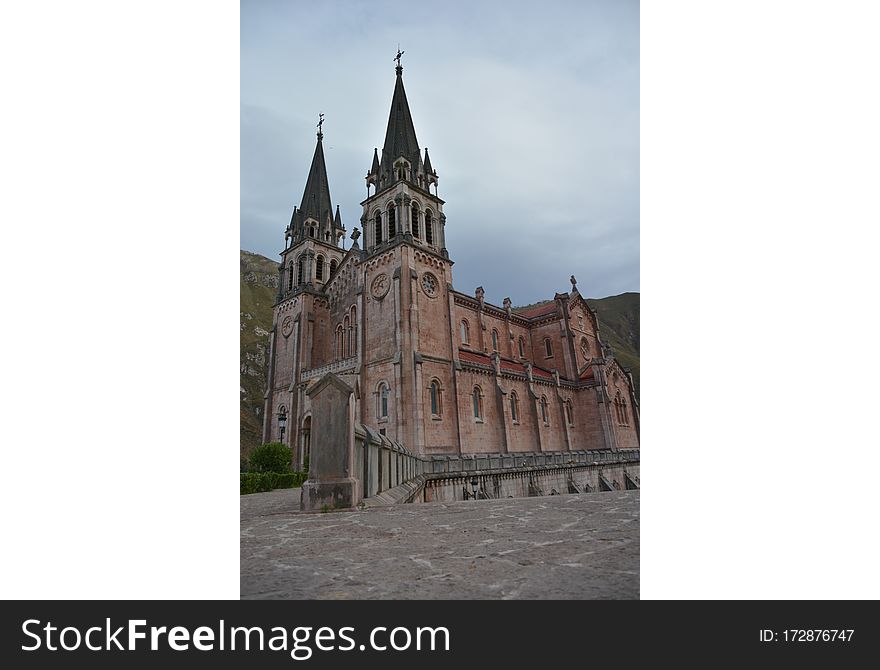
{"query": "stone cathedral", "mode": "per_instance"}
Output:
(439, 371)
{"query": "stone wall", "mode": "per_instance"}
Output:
(392, 474)
(528, 482)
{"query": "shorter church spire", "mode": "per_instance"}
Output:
(316, 204)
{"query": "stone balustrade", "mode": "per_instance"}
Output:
(392, 474)
(336, 367)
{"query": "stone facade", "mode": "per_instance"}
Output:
(438, 371)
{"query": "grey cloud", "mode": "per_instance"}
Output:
(530, 111)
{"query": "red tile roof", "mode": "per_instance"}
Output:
(473, 357)
(541, 372)
(537, 310)
(512, 366)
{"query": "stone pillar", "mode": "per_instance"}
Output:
(398, 220)
(332, 482)
(308, 278)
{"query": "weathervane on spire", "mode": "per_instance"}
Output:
(320, 123)
(399, 54)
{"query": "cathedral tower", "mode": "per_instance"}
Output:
(311, 255)
(401, 204)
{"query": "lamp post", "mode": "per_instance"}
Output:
(282, 424)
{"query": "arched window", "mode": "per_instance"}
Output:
(429, 227)
(414, 220)
(382, 407)
(585, 349)
(522, 347)
(339, 341)
(299, 270)
(353, 336)
(332, 267)
(290, 276)
(514, 407)
(618, 407)
(378, 228)
(311, 231)
(494, 340)
(435, 398)
(544, 416)
(392, 223)
(569, 415)
(465, 333)
(319, 268)
(478, 403)
(548, 347)
(346, 336)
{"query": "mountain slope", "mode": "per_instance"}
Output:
(619, 327)
(257, 289)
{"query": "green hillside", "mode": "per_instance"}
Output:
(619, 327)
(258, 287)
(618, 321)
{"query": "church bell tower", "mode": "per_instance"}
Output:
(400, 203)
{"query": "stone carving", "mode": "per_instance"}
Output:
(380, 286)
(429, 285)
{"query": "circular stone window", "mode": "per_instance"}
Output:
(429, 285)
(380, 286)
(287, 326)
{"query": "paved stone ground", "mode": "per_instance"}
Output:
(567, 546)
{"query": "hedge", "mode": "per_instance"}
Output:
(290, 480)
(257, 482)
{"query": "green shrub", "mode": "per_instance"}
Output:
(257, 482)
(271, 457)
(290, 480)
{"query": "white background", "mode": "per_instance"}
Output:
(119, 163)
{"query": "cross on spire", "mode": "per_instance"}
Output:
(320, 123)
(399, 54)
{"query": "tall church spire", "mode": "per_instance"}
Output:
(402, 208)
(400, 136)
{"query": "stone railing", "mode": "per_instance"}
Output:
(392, 474)
(383, 464)
(336, 367)
(524, 475)
(514, 461)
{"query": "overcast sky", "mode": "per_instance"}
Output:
(530, 111)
